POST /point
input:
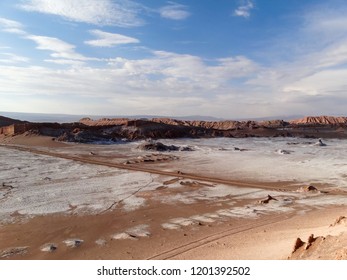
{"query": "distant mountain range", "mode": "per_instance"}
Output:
(62, 118)
(16, 117)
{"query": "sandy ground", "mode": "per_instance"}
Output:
(149, 210)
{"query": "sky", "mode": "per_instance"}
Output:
(225, 58)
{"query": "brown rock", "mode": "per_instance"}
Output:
(321, 120)
(339, 221)
(298, 244)
(311, 239)
(309, 188)
(267, 200)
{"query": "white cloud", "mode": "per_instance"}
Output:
(106, 39)
(312, 79)
(174, 11)
(244, 10)
(192, 71)
(70, 62)
(7, 23)
(11, 26)
(326, 30)
(64, 53)
(59, 48)
(175, 84)
(164, 83)
(323, 82)
(326, 19)
(123, 13)
(11, 58)
(164, 74)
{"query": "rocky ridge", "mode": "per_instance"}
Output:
(321, 120)
(120, 129)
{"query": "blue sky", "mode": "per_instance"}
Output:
(225, 58)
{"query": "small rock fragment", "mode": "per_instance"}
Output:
(50, 247)
(267, 200)
(73, 243)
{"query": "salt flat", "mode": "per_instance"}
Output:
(112, 202)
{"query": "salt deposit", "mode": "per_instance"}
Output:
(101, 242)
(13, 251)
(32, 184)
(72, 187)
(306, 162)
(50, 247)
(133, 233)
(73, 243)
(122, 235)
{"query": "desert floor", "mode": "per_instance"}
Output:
(83, 201)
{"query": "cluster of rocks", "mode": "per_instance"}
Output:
(240, 149)
(301, 143)
(284, 152)
(151, 158)
(305, 245)
(306, 189)
(160, 147)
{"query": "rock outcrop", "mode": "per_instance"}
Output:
(222, 125)
(104, 122)
(307, 189)
(160, 147)
(321, 120)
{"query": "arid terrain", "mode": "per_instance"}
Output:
(169, 189)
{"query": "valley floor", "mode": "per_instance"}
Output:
(78, 201)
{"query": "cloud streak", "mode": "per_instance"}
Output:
(313, 78)
(11, 58)
(11, 26)
(59, 48)
(106, 39)
(123, 13)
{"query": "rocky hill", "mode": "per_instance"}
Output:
(4, 121)
(216, 125)
(321, 120)
(104, 121)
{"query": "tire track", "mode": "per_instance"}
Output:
(131, 195)
(217, 236)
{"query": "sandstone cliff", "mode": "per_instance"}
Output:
(321, 120)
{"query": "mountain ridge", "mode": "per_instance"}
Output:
(320, 120)
(87, 130)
